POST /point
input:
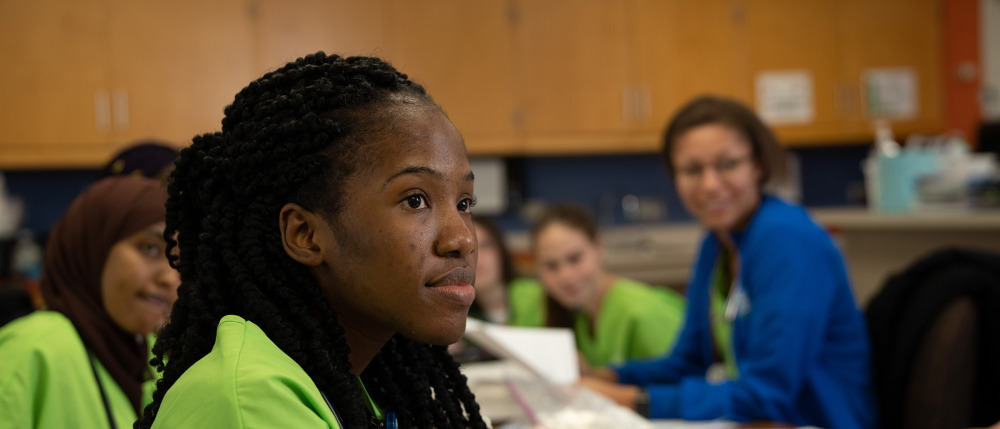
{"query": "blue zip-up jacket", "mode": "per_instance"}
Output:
(800, 345)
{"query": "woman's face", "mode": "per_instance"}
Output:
(403, 256)
(138, 286)
(568, 264)
(717, 176)
(489, 263)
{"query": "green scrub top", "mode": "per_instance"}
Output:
(527, 303)
(46, 380)
(636, 321)
(246, 381)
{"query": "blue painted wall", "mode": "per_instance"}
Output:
(830, 175)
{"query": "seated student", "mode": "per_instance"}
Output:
(327, 255)
(772, 331)
(500, 297)
(147, 158)
(82, 361)
(614, 318)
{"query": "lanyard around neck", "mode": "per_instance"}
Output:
(104, 396)
(388, 421)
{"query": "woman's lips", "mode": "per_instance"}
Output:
(462, 294)
(455, 286)
(156, 300)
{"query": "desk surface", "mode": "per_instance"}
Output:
(856, 218)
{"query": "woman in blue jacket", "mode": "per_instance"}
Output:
(772, 330)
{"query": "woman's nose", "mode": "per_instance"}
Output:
(456, 236)
(167, 276)
(710, 178)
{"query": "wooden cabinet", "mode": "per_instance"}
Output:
(175, 66)
(794, 35)
(893, 34)
(55, 83)
(286, 30)
(573, 71)
(517, 77)
(606, 76)
(87, 77)
(462, 52)
(459, 50)
(682, 49)
(837, 43)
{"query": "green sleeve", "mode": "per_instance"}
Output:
(527, 303)
(654, 331)
(46, 380)
(245, 382)
(637, 321)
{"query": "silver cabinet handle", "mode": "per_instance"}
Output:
(119, 101)
(102, 111)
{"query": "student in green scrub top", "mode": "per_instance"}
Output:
(500, 296)
(81, 362)
(614, 318)
(327, 256)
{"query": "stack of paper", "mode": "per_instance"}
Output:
(549, 353)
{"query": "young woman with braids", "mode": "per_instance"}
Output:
(327, 256)
(82, 361)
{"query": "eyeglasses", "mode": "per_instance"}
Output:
(722, 167)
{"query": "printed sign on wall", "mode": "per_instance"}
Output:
(890, 92)
(785, 97)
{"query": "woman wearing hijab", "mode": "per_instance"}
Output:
(82, 361)
(150, 158)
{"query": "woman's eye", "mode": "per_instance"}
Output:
(415, 201)
(466, 204)
(149, 249)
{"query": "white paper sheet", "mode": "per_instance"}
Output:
(549, 353)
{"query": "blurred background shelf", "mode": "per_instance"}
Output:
(877, 245)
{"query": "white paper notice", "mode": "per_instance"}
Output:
(785, 97)
(549, 353)
(891, 92)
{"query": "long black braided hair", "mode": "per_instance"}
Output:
(292, 136)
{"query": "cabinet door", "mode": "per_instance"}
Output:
(462, 53)
(683, 49)
(794, 35)
(176, 65)
(286, 30)
(54, 84)
(904, 35)
(573, 71)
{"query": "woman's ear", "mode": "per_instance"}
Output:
(300, 234)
